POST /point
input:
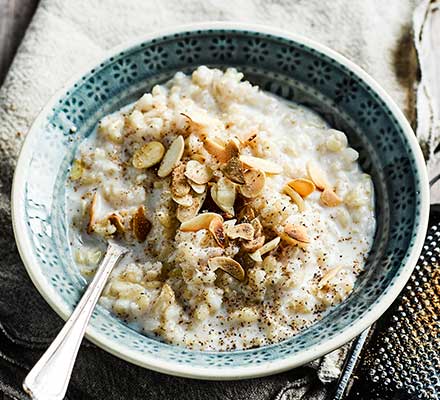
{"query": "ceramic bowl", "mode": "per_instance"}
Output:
(289, 66)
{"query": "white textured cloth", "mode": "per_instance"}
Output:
(66, 35)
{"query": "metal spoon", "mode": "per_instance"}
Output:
(49, 378)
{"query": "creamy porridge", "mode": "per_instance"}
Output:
(247, 216)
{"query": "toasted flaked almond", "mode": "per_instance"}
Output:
(256, 256)
(317, 175)
(228, 265)
(269, 246)
(172, 157)
(117, 221)
(266, 248)
(148, 155)
(223, 194)
(219, 141)
(179, 183)
(329, 198)
(197, 122)
(229, 223)
(253, 245)
(241, 231)
(329, 275)
(77, 170)
(222, 152)
(198, 222)
(199, 189)
(254, 183)
(186, 200)
(234, 171)
(297, 199)
(258, 228)
(217, 230)
(185, 213)
(92, 211)
(266, 166)
(141, 225)
(296, 234)
(232, 148)
(198, 157)
(302, 186)
(216, 150)
(197, 172)
(246, 213)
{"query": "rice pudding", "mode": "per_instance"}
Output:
(247, 216)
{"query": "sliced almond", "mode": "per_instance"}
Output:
(253, 245)
(254, 183)
(232, 148)
(228, 265)
(296, 234)
(198, 157)
(186, 200)
(329, 198)
(117, 221)
(256, 256)
(317, 175)
(266, 166)
(200, 221)
(223, 153)
(92, 210)
(172, 157)
(200, 119)
(233, 170)
(179, 184)
(246, 213)
(185, 213)
(219, 141)
(148, 155)
(223, 194)
(216, 150)
(302, 186)
(197, 122)
(329, 275)
(217, 230)
(229, 223)
(141, 225)
(297, 199)
(199, 189)
(197, 172)
(258, 228)
(241, 231)
(269, 246)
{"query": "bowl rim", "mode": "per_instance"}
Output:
(218, 373)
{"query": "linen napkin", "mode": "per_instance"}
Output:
(66, 35)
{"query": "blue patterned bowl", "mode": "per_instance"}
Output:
(290, 66)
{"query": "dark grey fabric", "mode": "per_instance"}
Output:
(99, 375)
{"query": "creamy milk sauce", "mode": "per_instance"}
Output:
(165, 286)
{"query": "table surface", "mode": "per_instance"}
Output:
(15, 16)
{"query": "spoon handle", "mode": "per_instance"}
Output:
(49, 378)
